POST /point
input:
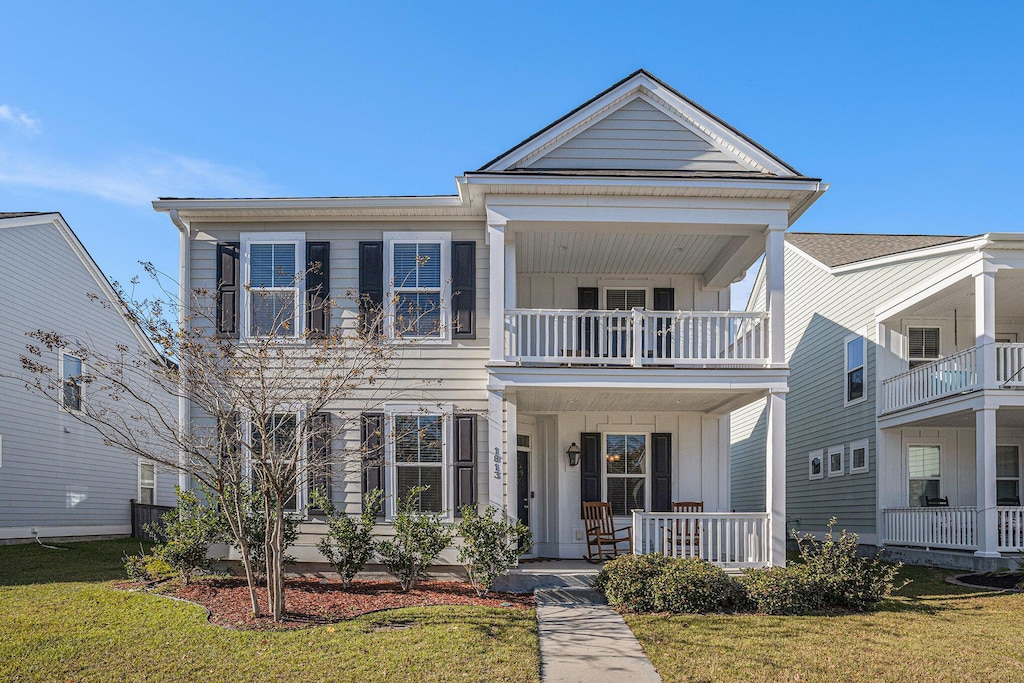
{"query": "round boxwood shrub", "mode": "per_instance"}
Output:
(787, 590)
(695, 586)
(628, 581)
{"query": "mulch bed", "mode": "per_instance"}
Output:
(1002, 580)
(312, 602)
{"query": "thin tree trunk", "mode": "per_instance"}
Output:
(236, 522)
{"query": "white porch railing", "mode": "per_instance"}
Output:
(1010, 365)
(729, 539)
(954, 528)
(637, 337)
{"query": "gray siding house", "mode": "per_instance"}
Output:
(905, 413)
(57, 478)
(582, 279)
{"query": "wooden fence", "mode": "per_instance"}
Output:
(144, 515)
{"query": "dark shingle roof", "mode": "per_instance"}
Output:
(842, 249)
(20, 214)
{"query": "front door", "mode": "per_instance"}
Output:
(524, 495)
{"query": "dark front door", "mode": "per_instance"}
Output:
(523, 487)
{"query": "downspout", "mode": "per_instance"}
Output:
(184, 273)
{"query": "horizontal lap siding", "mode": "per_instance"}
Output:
(49, 476)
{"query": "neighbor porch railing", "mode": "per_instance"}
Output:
(637, 337)
(954, 528)
(729, 539)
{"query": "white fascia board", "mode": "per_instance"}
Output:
(965, 245)
(807, 257)
(24, 221)
(625, 181)
(318, 203)
(618, 379)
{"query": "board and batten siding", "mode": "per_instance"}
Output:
(822, 309)
(638, 136)
(55, 472)
(428, 374)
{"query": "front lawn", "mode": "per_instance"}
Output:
(932, 631)
(62, 621)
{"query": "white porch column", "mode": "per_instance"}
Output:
(988, 531)
(510, 271)
(496, 471)
(511, 449)
(496, 303)
(985, 325)
(775, 271)
(775, 478)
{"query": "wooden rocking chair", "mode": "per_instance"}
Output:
(684, 534)
(603, 539)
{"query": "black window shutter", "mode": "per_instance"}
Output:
(464, 290)
(318, 288)
(586, 300)
(227, 288)
(373, 453)
(590, 468)
(319, 451)
(371, 286)
(664, 300)
(661, 472)
(465, 461)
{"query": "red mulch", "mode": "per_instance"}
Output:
(311, 601)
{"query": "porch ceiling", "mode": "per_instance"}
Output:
(554, 400)
(1006, 418)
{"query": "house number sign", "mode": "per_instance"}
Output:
(497, 463)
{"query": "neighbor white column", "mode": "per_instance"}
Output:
(775, 272)
(988, 532)
(985, 326)
(496, 298)
(495, 449)
(775, 478)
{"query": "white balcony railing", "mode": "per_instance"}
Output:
(635, 338)
(951, 375)
(729, 539)
(954, 528)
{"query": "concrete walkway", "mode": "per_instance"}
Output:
(583, 639)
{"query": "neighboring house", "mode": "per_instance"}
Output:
(583, 280)
(905, 411)
(57, 478)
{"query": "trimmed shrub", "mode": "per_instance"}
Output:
(348, 544)
(147, 567)
(694, 586)
(628, 581)
(419, 538)
(189, 530)
(780, 590)
(491, 545)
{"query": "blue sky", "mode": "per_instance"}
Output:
(912, 111)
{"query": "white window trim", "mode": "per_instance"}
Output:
(863, 443)
(846, 368)
(81, 385)
(445, 239)
(604, 465)
(820, 454)
(906, 456)
(923, 360)
(834, 450)
(445, 412)
(298, 239)
(144, 461)
(1020, 469)
(301, 504)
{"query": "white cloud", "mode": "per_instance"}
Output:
(18, 118)
(133, 179)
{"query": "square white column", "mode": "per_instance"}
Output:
(496, 302)
(985, 327)
(775, 277)
(496, 471)
(988, 531)
(775, 479)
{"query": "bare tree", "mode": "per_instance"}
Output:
(260, 412)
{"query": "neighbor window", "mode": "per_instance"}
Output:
(419, 458)
(273, 273)
(816, 464)
(923, 465)
(71, 382)
(418, 267)
(625, 457)
(923, 345)
(854, 369)
(277, 447)
(1008, 475)
(859, 457)
(147, 483)
(835, 460)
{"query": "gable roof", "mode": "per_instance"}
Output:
(641, 125)
(837, 249)
(20, 214)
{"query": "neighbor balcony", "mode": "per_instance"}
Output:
(951, 528)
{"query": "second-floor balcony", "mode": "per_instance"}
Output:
(955, 374)
(637, 338)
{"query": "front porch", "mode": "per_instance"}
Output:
(951, 528)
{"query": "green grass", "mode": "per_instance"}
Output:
(932, 631)
(62, 621)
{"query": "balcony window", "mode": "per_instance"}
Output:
(924, 468)
(923, 345)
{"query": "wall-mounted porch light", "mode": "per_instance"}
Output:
(573, 453)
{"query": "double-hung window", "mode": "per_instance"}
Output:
(147, 483)
(417, 268)
(419, 458)
(626, 470)
(1008, 475)
(922, 345)
(855, 363)
(924, 467)
(71, 382)
(273, 273)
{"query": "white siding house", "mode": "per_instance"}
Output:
(905, 411)
(584, 278)
(57, 478)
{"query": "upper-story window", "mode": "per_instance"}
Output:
(923, 345)
(625, 299)
(417, 268)
(71, 382)
(274, 264)
(855, 360)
